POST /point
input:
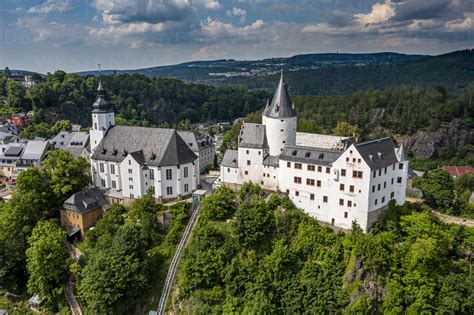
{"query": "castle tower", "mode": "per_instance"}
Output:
(103, 118)
(280, 120)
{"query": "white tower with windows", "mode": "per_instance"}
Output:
(280, 120)
(103, 118)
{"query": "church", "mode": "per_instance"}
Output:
(127, 162)
(334, 179)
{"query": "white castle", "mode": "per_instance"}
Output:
(333, 179)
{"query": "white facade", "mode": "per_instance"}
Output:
(101, 122)
(333, 179)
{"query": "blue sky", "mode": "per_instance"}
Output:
(73, 35)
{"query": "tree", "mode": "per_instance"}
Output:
(16, 95)
(219, 205)
(67, 174)
(253, 220)
(438, 189)
(46, 262)
(345, 129)
(115, 276)
(61, 125)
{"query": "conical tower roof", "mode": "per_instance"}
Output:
(101, 105)
(281, 106)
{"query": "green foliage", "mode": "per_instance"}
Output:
(409, 264)
(250, 190)
(61, 125)
(67, 174)
(345, 129)
(219, 205)
(46, 262)
(253, 221)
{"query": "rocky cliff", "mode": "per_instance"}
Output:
(442, 143)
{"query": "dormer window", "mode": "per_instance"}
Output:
(294, 153)
(307, 154)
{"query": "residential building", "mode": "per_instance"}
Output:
(20, 120)
(82, 210)
(128, 161)
(74, 142)
(458, 171)
(333, 179)
(204, 148)
(15, 157)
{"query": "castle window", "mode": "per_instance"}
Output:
(102, 182)
(358, 160)
(246, 172)
(351, 188)
(393, 166)
(347, 159)
(114, 184)
(385, 170)
(311, 168)
(357, 174)
(309, 181)
(288, 164)
(325, 198)
(384, 184)
(169, 190)
(152, 174)
(130, 186)
(345, 215)
(298, 166)
(392, 181)
(378, 187)
(186, 187)
(376, 201)
(297, 193)
(307, 154)
(129, 162)
(132, 196)
(259, 152)
(383, 199)
(311, 196)
(349, 203)
(380, 172)
(297, 180)
(375, 174)
(341, 187)
(343, 172)
(399, 180)
(373, 188)
(400, 166)
(248, 162)
(130, 171)
(169, 174)
(320, 169)
(294, 153)
(185, 172)
(392, 194)
(112, 169)
(247, 152)
(328, 170)
(341, 202)
(101, 167)
(318, 183)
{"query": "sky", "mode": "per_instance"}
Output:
(75, 35)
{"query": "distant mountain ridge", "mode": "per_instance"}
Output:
(326, 74)
(216, 71)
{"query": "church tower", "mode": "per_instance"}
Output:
(103, 118)
(280, 120)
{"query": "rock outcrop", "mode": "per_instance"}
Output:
(431, 144)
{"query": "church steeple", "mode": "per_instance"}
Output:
(101, 105)
(103, 117)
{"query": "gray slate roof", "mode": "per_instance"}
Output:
(230, 159)
(72, 142)
(378, 153)
(159, 146)
(193, 142)
(253, 136)
(309, 155)
(281, 105)
(35, 150)
(271, 160)
(101, 105)
(85, 201)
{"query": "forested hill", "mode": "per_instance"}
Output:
(328, 74)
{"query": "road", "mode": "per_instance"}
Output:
(175, 262)
(70, 297)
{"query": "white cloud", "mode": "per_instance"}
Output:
(218, 29)
(212, 5)
(126, 29)
(50, 6)
(465, 24)
(241, 13)
(381, 12)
